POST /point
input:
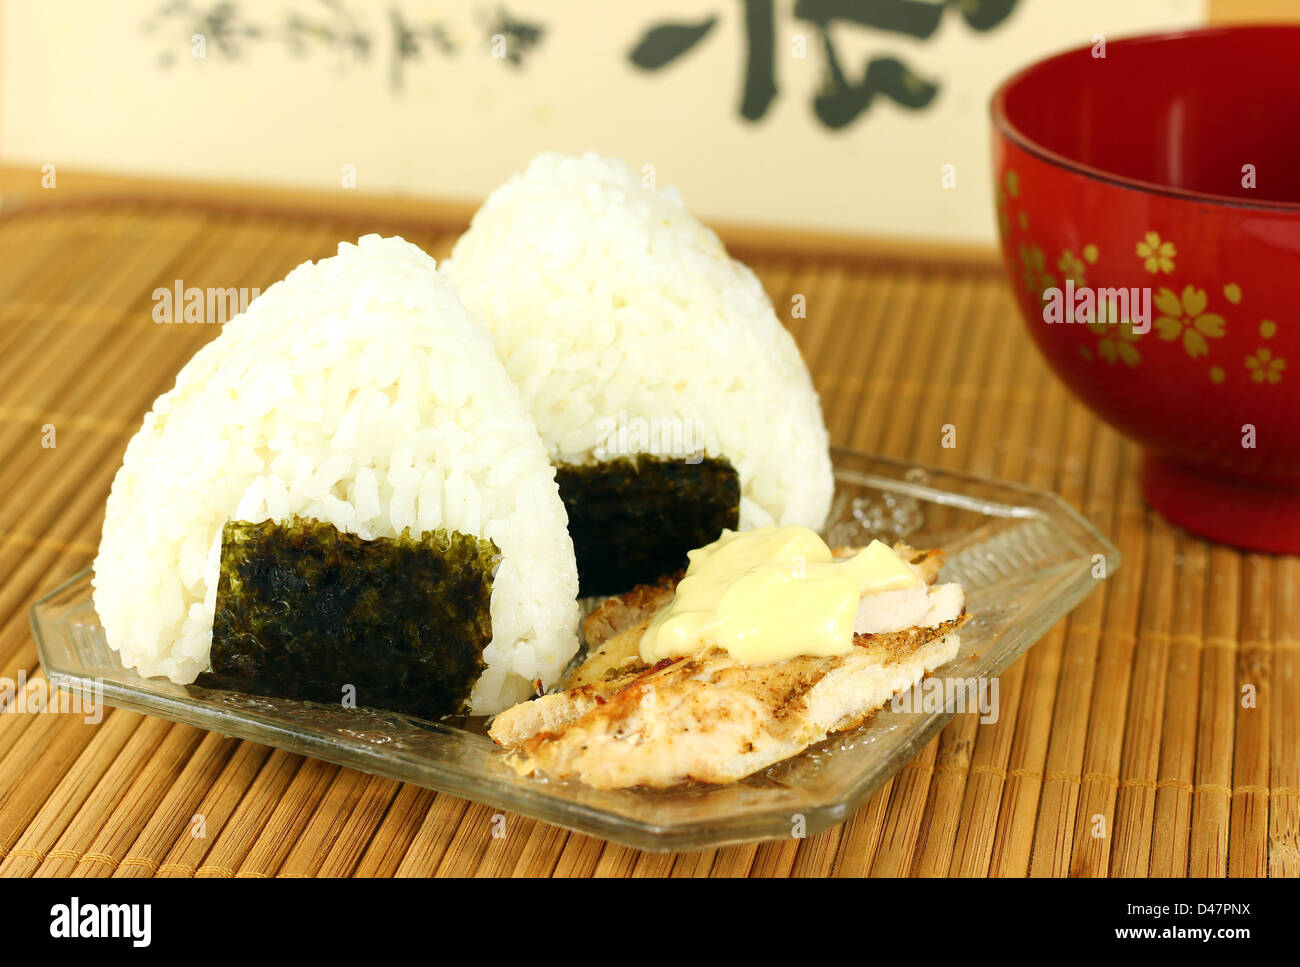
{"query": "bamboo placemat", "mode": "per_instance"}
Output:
(1122, 747)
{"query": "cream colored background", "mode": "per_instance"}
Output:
(80, 86)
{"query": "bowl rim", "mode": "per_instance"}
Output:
(1003, 125)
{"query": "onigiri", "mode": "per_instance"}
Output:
(651, 361)
(356, 392)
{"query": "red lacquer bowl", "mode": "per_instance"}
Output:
(1171, 165)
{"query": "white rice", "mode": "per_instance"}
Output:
(357, 391)
(610, 304)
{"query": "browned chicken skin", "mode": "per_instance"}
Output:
(707, 717)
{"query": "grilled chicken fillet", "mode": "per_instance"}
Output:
(709, 717)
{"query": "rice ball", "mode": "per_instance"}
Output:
(357, 392)
(630, 330)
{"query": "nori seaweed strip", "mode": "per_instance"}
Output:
(633, 519)
(304, 609)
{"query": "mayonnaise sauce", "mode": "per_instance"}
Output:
(770, 594)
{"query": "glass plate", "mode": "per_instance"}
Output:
(1024, 556)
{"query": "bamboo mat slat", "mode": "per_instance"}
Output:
(1123, 745)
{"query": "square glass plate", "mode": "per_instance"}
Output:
(1024, 556)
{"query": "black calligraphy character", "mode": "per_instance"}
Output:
(408, 43)
(840, 102)
(517, 37)
(663, 44)
(340, 32)
(218, 25)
